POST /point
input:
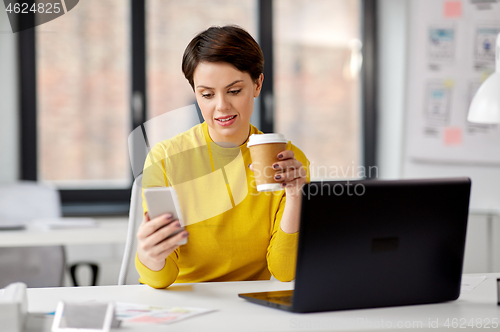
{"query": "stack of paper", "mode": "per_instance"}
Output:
(470, 282)
(139, 313)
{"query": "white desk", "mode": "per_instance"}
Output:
(109, 230)
(236, 314)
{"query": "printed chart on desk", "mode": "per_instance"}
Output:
(451, 52)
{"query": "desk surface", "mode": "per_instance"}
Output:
(108, 230)
(236, 314)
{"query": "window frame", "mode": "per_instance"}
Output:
(116, 201)
(369, 79)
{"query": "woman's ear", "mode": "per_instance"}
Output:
(258, 85)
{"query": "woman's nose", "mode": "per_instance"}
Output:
(222, 103)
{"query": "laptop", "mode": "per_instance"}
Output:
(374, 243)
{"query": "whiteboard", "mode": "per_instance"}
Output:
(451, 52)
(446, 62)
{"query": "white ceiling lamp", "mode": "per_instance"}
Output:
(485, 106)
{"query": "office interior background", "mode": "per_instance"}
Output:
(89, 97)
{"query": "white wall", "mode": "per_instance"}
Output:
(485, 195)
(393, 19)
(9, 142)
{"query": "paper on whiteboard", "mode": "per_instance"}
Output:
(485, 45)
(441, 45)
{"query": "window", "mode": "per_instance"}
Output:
(170, 26)
(83, 89)
(317, 63)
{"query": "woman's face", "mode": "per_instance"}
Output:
(225, 96)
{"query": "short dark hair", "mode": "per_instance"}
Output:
(230, 44)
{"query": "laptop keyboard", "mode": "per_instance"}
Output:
(286, 299)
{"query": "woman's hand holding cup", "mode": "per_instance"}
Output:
(290, 173)
(153, 247)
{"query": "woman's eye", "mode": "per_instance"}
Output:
(235, 92)
(207, 95)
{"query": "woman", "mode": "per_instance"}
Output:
(235, 232)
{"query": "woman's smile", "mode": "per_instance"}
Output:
(226, 120)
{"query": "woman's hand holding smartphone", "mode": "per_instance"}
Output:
(155, 240)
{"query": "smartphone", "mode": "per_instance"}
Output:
(84, 317)
(161, 200)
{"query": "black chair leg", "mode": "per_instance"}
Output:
(74, 267)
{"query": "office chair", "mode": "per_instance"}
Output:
(140, 142)
(42, 266)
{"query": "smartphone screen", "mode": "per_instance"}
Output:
(84, 317)
(161, 200)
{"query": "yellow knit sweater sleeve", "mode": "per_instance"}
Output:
(159, 279)
(154, 175)
(282, 250)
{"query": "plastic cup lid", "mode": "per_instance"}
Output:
(256, 139)
(270, 187)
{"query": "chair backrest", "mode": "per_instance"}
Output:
(128, 273)
(35, 266)
(162, 127)
(140, 141)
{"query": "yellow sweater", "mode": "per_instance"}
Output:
(234, 231)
